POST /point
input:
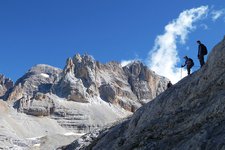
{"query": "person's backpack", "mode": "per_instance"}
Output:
(191, 62)
(204, 49)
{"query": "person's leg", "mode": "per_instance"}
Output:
(188, 70)
(201, 59)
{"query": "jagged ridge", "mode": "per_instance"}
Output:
(85, 95)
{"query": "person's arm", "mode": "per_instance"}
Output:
(184, 64)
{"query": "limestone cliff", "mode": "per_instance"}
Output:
(129, 87)
(5, 85)
(82, 97)
(38, 79)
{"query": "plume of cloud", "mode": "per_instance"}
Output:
(126, 62)
(216, 14)
(163, 58)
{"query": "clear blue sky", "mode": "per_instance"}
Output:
(49, 31)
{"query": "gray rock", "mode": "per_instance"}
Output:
(83, 79)
(5, 85)
(69, 68)
(189, 115)
(85, 69)
(144, 83)
(40, 105)
(85, 96)
(107, 93)
(38, 79)
(71, 88)
(129, 87)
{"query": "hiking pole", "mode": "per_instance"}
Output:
(181, 72)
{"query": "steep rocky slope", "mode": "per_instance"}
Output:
(189, 115)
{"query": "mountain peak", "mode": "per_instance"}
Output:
(5, 84)
(85, 95)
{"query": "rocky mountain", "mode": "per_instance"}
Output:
(5, 84)
(84, 96)
(189, 115)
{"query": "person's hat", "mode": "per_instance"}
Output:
(185, 57)
(198, 41)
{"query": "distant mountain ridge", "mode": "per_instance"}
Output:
(85, 95)
(84, 78)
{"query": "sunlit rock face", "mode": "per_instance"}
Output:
(5, 84)
(84, 96)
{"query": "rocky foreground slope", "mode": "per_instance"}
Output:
(52, 105)
(189, 115)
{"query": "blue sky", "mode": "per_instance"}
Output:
(50, 31)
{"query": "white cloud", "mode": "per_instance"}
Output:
(126, 62)
(216, 14)
(163, 58)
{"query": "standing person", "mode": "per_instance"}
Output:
(202, 51)
(169, 84)
(189, 63)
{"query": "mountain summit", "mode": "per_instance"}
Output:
(83, 78)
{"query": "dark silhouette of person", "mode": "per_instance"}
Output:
(201, 52)
(169, 84)
(189, 63)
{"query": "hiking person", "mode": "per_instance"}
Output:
(189, 63)
(202, 51)
(169, 84)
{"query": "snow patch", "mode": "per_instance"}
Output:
(72, 133)
(44, 75)
(36, 145)
(34, 138)
(126, 62)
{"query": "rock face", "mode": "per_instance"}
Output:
(5, 85)
(69, 86)
(189, 115)
(129, 87)
(25, 95)
(84, 79)
(145, 84)
(86, 94)
(38, 79)
(39, 105)
(21, 131)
